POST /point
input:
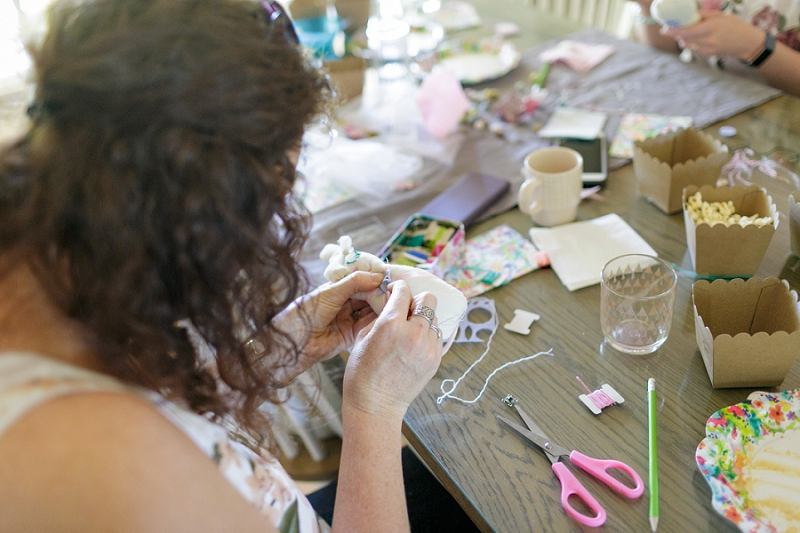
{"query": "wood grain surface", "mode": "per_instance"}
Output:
(504, 484)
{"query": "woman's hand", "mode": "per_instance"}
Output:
(326, 321)
(719, 34)
(335, 318)
(394, 357)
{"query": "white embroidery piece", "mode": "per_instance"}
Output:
(343, 259)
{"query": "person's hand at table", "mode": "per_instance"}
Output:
(394, 356)
(392, 360)
(723, 34)
(726, 35)
(649, 31)
(327, 320)
(719, 34)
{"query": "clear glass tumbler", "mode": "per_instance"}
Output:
(637, 295)
(387, 39)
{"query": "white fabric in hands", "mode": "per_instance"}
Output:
(451, 303)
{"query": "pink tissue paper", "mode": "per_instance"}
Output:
(441, 102)
(576, 55)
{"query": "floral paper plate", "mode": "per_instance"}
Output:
(751, 460)
(476, 61)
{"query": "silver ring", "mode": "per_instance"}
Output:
(425, 312)
(437, 330)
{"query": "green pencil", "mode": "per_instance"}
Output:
(653, 446)
(541, 76)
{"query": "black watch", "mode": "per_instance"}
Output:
(766, 51)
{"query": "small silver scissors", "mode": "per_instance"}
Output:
(569, 484)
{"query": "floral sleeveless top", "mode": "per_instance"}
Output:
(27, 380)
(781, 18)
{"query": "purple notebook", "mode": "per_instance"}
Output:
(467, 198)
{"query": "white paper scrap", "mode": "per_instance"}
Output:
(574, 123)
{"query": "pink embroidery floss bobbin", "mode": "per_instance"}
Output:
(598, 400)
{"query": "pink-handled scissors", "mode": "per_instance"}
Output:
(569, 484)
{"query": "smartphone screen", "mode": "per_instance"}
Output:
(595, 158)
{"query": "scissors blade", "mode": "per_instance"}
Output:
(525, 432)
(553, 451)
(530, 423)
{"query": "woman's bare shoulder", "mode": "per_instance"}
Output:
(84, 461)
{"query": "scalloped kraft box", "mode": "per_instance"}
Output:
(748, 332)
(794, 222)
(664, 165)
(733, 250)
(347, 75)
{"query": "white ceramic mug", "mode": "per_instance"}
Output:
(551, 191)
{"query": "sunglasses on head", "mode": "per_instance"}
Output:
(278, 19)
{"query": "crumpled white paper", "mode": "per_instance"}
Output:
(363, 166)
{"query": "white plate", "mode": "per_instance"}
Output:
(479, 61)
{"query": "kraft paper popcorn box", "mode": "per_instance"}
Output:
(748, 332)
(664, 165)
(347, 76)
(794, 222)
(355, 12)
(733, 250)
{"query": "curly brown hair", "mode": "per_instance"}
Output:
(155, 185)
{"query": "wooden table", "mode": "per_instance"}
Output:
(506, 485)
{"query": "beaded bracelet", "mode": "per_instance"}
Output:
(643, 19)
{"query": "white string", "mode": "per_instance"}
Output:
(448, 393)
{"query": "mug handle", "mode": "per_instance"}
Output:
(525, 197)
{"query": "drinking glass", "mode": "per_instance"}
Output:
(388, 44)
(637, 295)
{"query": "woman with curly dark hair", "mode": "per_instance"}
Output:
(150, 197)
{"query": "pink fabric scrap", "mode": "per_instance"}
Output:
(576, 55)
(442, 102)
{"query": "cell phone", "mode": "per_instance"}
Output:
(595, 158)
(466, 199)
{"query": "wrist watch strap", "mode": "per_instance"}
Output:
(766, 51)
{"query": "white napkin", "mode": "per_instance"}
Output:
(578, 251)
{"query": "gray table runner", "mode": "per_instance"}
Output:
(637, 78)
(634, 79)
